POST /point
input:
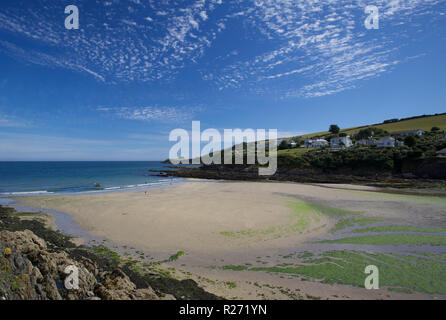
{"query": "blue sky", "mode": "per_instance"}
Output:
(136, 69)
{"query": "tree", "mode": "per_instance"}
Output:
(283, 145)
(410, 141)
(435, 129)
(334, 129)
(371, 132)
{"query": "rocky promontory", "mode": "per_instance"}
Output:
(251, 173)
(33, 262)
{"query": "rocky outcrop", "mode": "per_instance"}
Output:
(427, 172)
(30, 270)
(231, 172)
(33, 261)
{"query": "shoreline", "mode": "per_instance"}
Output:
(65, 223)
(128, 188)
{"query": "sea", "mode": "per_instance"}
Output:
(52, 177)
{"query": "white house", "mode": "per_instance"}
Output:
(317, 143)
(290, 143)
(341, 142)
(307, 143)
(417, 132)
(399, 143)
(366, 142)
(386, 142)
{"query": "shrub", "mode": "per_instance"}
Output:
(283, 145)
(410, 141)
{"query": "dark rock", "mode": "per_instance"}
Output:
(34, 269)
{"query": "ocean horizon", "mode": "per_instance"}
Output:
(54, 177)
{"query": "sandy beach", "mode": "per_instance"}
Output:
(217, 224)
(190, 216)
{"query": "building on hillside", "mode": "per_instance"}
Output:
(386, 142)
(366, 142)
(307, 143)
(444, 137)
(319, 143)
(290, 143)
(417, 132)
(442, 153)
(315, 143)
(341, 142)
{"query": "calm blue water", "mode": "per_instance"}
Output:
(18, 178)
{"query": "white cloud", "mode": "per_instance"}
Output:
(111, 49)
(153, 113)
(322, 44)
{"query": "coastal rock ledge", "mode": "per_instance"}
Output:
(32, 270)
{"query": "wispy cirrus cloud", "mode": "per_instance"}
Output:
(303, 48)
(320, 48)
(152, 113)
(118, 41)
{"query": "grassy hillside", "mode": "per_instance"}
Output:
(425, 123)
(293, 152)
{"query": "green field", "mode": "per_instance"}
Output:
(425, 124)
